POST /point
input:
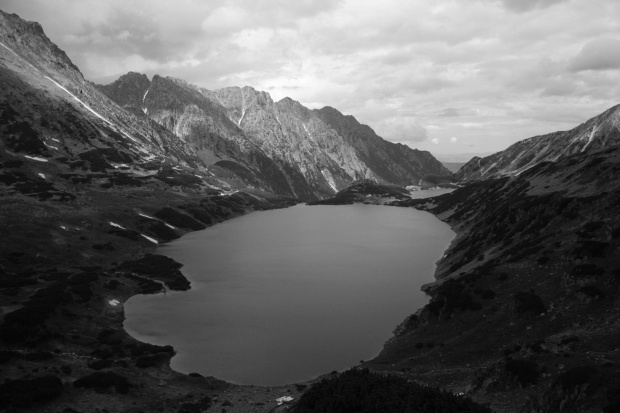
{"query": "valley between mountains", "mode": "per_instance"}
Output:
(523, 315)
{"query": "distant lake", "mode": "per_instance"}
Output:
(428, 193)
(283, 296)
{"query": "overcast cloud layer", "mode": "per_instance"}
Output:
(447, 76)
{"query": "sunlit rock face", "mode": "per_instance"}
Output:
(284, 145)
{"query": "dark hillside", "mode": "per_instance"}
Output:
(527, 294)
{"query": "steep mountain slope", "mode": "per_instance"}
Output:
(51, 111)
(326, 135)
(599, 132)
(289, 132)
(202, 125)
(524, 313)
(87, 192)
(392, 163)
(315, 154)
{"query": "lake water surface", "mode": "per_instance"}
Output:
(282, 296)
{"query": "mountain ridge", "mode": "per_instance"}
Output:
(315, 158)
(596, 133)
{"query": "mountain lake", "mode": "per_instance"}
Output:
(282, 296)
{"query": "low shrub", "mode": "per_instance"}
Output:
(526, 372)
(586, 270)
(151, 360)
(528, 302)
(198, 406)
(362, 391)
(591, 291)
(488, 294)
(575, 377)
(19, 394)
(100, 382)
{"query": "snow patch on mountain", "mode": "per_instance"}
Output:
(590, 138)
(330, 179)
(307, 132)
(154, 241)
(35, 158)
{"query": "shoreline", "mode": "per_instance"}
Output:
(369, 356)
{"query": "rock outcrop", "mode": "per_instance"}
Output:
(306, 153)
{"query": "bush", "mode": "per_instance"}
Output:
(569, 339)
(575, 377)
(526, 372)
(591, 248)
(591, 291)
(109, 336)
(27, 393)
(99, 364)
(452, 296)
(488, 294)
(144, 349)
(196, 407)
(527, 302)
(586, 270)
(362, 391)
(151, 360)
(100, 382)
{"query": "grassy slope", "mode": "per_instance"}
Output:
(526, 298)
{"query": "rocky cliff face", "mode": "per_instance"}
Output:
(390, 162)
(599, 132)
(291, 134)
(310, 154)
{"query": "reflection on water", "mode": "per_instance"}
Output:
(283, 296)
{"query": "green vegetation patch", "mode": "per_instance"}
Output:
(102, 381)
(19, 394)
(528, 302)
(160, 268)
(524, 371)
(362, 391)
(452, 296)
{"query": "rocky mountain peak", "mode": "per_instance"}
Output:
(29, 41)
(285, 142)
(129, 90)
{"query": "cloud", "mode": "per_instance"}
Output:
(521, 6)
(486, 71)
(435, 141)
(401, 129)
(453, 139)
(449, 113)
(598, 54)
(226, 19)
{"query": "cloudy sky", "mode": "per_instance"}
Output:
(452, 77)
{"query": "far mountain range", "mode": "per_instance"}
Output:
(302, 152)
